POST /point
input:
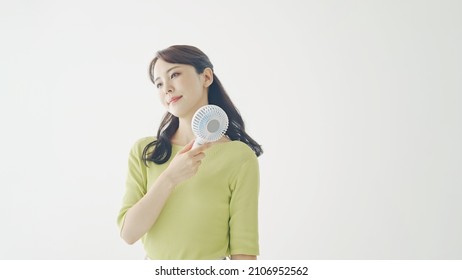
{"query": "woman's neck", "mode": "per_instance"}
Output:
(184, 133)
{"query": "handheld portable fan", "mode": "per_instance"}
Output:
(209, 124)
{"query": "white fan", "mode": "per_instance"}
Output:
(209, 124)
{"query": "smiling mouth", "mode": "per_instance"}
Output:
(174, 100)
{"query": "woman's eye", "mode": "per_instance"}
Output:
(174, 75)
(158, 85)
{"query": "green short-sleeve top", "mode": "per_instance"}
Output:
(209, 216)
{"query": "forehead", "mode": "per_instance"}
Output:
(162, 67)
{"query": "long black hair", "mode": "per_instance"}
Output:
(183, 54)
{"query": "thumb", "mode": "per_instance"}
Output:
(187, 147)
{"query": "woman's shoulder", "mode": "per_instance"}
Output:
(234, 150)
(145, 140)
(139, 145)
(242, 148)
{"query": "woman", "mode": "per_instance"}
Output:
(186, 203)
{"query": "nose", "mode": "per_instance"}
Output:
(168, 88)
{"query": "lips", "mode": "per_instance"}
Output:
(174, 99)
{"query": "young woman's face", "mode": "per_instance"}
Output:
(181, 90)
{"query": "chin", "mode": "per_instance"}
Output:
(182, 110)
(177, 113)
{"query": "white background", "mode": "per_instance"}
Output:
(357, 105)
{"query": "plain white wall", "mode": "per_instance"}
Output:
(357, 105)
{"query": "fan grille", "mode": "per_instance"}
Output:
(210, 123)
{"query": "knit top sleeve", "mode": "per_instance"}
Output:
(243, 221)
(135, 186)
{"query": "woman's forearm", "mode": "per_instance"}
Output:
(243, 257)
(141, 216)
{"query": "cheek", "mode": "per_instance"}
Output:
(162, 100)
(190, 82)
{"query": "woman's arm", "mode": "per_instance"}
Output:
(243, 223)
(243, 257)
(144, 213)
(141, 216)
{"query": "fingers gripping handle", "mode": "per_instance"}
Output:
(198, 142)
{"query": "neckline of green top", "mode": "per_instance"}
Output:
(216, 145)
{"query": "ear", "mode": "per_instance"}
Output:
(207, 77)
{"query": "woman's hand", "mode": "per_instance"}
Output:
(185, 163)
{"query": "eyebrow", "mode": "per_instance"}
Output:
(167, 72)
